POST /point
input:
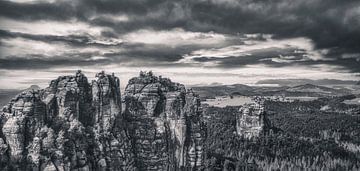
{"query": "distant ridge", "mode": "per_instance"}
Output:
(240, 89)
(321, 90)
(295, 82)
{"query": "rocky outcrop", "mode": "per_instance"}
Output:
(165, 124)
(69, 97)
(70, 125)
(106, 99)
(112, 145)
(21, 119)
(252, 120)
(75, 125)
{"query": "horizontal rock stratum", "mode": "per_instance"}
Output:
(77, 125)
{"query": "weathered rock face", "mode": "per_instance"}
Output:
(74, 125)
(107, 100)
(66, 126)
(112, 145)
(22, 118)
(69, 97)
(164, 124)
(251, 120)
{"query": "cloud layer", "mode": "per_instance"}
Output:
(321, 36)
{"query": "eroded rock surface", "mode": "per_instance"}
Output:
(70, 125)
(252, 120)
(165, 124)
(106, 99)
(75, 125)
(21, 119)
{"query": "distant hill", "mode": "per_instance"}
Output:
(295, 82)
(310, 88)
(207, 92)
(315, 90)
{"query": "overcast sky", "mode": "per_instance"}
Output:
(190, 41)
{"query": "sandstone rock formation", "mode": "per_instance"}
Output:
(21, 119)
(165, 124)
(106, 99)
(251, 120)
(62, 127)
(75, 125)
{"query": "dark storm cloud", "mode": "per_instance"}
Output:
(68, 9)
(43, 62)
(330, 23)
(122, 6)
(74, 40)
(352, 64)
(149, 55)
(130, 55)
(38, 11)
(275, 57)
(281, 58)
(333, 25)
(157, 53)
